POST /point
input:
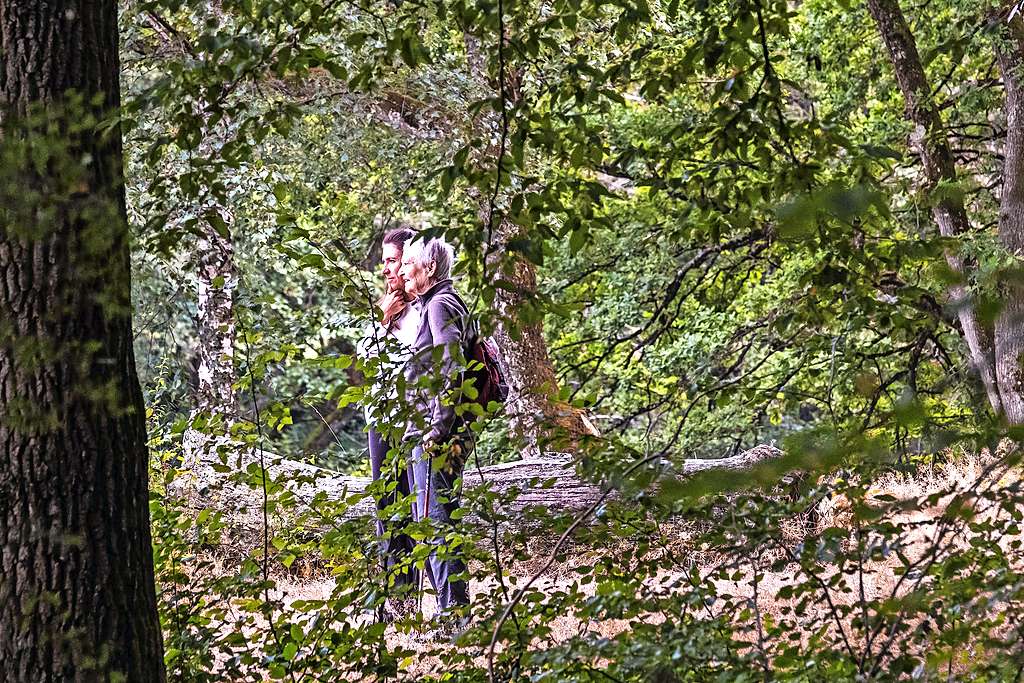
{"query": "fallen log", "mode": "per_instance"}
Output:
(550, 481)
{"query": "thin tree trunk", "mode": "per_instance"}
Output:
(1009, 336)
(218, 278)
(77, 593)
(541, 420)
(215, 393)
(536, 414)
(929, 138)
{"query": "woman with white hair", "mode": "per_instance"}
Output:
(438, 435)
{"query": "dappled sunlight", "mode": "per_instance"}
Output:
(562, 341)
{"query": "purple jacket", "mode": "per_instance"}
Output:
(437, 353)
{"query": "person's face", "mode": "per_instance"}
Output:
(416, 277)
(391, 262)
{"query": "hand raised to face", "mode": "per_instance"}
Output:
(392, 304)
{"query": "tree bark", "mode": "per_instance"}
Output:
(1009, 334)
(215, 393)
(536, 415)
(930, 140)
(534, 411)
(77, 591)
(218, 278)
(549, 481)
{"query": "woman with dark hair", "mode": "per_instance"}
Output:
(390, 344)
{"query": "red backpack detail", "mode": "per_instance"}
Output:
(486, 371)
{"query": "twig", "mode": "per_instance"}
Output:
(580, 518)
(265, 506)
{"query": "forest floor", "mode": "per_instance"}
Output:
(919, 524)
(878, 579)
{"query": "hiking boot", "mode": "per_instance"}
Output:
(399, 609)
(448, 629)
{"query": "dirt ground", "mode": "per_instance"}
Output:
(921, 527)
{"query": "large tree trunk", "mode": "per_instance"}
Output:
(77, 593)
(1009, 335)
(929, 137)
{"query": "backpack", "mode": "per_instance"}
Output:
(486, 371)
(485, 367)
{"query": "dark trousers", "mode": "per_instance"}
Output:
(395, 545)
(445, 560)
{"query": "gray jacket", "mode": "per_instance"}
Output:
(438, 355)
